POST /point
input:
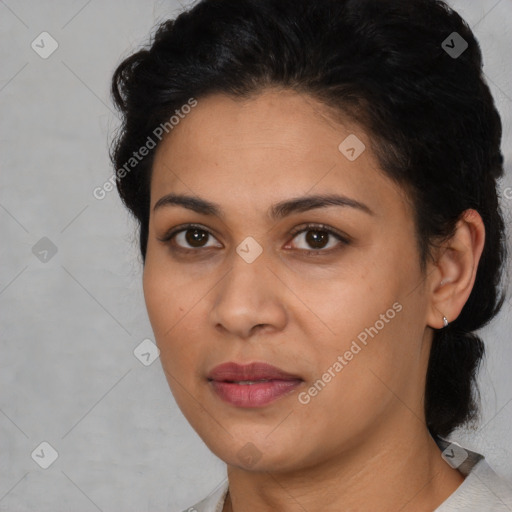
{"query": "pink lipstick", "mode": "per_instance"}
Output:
(253, 385)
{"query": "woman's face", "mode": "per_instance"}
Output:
(346, 316)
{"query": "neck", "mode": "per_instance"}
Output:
(406, 473)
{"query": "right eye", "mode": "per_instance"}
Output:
(189, 238)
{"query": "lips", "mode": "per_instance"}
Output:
(251, 386)
(233, 372)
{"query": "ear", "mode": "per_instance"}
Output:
(451, 277)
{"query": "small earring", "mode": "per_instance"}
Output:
(445, 321)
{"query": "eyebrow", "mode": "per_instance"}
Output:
(277, 211)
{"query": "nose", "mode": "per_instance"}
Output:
(249, 299)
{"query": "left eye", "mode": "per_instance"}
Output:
(316, 237)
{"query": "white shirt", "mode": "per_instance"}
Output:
(482, 490)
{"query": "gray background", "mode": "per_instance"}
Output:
(70, 324)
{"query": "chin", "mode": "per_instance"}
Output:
(259, 454)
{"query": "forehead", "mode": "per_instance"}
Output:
(272, 118)
(275, 144)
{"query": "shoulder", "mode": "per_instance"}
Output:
(214, 502)
(483, 490)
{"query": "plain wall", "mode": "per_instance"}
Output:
(69, 325)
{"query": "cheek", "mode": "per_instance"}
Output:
(356, 383)
(167, 292)
(172, 306)
(164, 305)
(374, 338)
(157, 299)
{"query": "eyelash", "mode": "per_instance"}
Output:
(168, 238)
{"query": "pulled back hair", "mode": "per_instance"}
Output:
(430, 116)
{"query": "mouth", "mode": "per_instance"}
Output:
(249, 374)
(252, 385)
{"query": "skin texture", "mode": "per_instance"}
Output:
(361, 443)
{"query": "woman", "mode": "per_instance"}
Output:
(315, 184)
